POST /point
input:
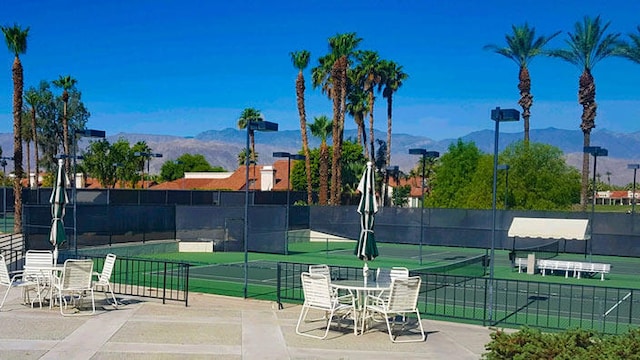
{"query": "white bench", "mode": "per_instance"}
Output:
(576, 267)
(521, 263)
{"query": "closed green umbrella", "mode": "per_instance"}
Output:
(58, 200)
(368, 207)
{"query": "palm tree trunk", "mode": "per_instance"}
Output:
(335, 133)
(300, 87)
(586, 97)
(27, 144)
(18, 81)
(389, 107)
(324, 167)
(342, 114)
(35, 143)
(526, 99)
(371, 130)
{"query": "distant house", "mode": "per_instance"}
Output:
(261, 177)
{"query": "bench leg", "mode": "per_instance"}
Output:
(602, 276)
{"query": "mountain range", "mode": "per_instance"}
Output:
(221, 147)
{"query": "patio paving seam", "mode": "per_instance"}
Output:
(89, 337)
(262, 336)
(146, 348)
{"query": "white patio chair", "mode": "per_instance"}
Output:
(323, 269)
(318, 295)
(35, 263)
(104, 276)
(15, 281)
(386, 275)
(403, 299)
(75, 282)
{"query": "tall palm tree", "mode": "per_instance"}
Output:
(300, 61)
(357, 107)
(589, 44)
(65, 83)
(321, 128)
(369, 74)
(248, 115)
(16, 39)
(331, 75)
(27, 137)
(32, 97)
(392, 78)
(522, 47)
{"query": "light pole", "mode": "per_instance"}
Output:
(289, 157)
(252, 126)
(431, 155)
(595, 151)
(389, 170)
(505, 167)
(498, 115)
(88, 133)
(148, 156)
(3, 162)
(635, 167)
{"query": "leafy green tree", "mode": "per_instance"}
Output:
(587, 45)
(352, 168)
(98, 163)
(522, 47)
(16, 40)
(400, 195)
(175, 169)
(453, 175)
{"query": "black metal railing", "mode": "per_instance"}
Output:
(12, 248)
(516, 303)
(147, 278)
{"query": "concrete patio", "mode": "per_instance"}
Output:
(211, 327)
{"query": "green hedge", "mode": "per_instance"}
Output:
(574, 344)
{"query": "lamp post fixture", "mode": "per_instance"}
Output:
(252, 125)
(3, 163)
(425, 154)
(505, 167)
(635, 167)
(88, 133)
(389, 170)
(497, 115)
(595, 151)
(289, 157)
(148, 156)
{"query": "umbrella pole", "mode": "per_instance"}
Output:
(55, 254)
(365, 272)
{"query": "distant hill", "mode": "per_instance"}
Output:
(221, 147)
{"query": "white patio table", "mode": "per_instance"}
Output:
(360, 289)
(44, 275)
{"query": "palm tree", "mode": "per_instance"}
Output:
(65, 83)
(27, 137)
(630, 50)
(300, 61)
(586, 46)
(321, 128)
(249, 115)
(357, 107)
(331, 75)
(16, 39)
(522, 47)
(33, 100)
(392, 78)
(369, 74)
(242, 156)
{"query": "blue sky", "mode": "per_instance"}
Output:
(183, 67)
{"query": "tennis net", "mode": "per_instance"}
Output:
(544, 251)
(473, 266)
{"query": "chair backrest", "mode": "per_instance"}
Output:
(386, 275)
(5, 279)
(404, 293)
(107, 269)
(321, 269)
(36, 259)
(77, 274)
(317, 290)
